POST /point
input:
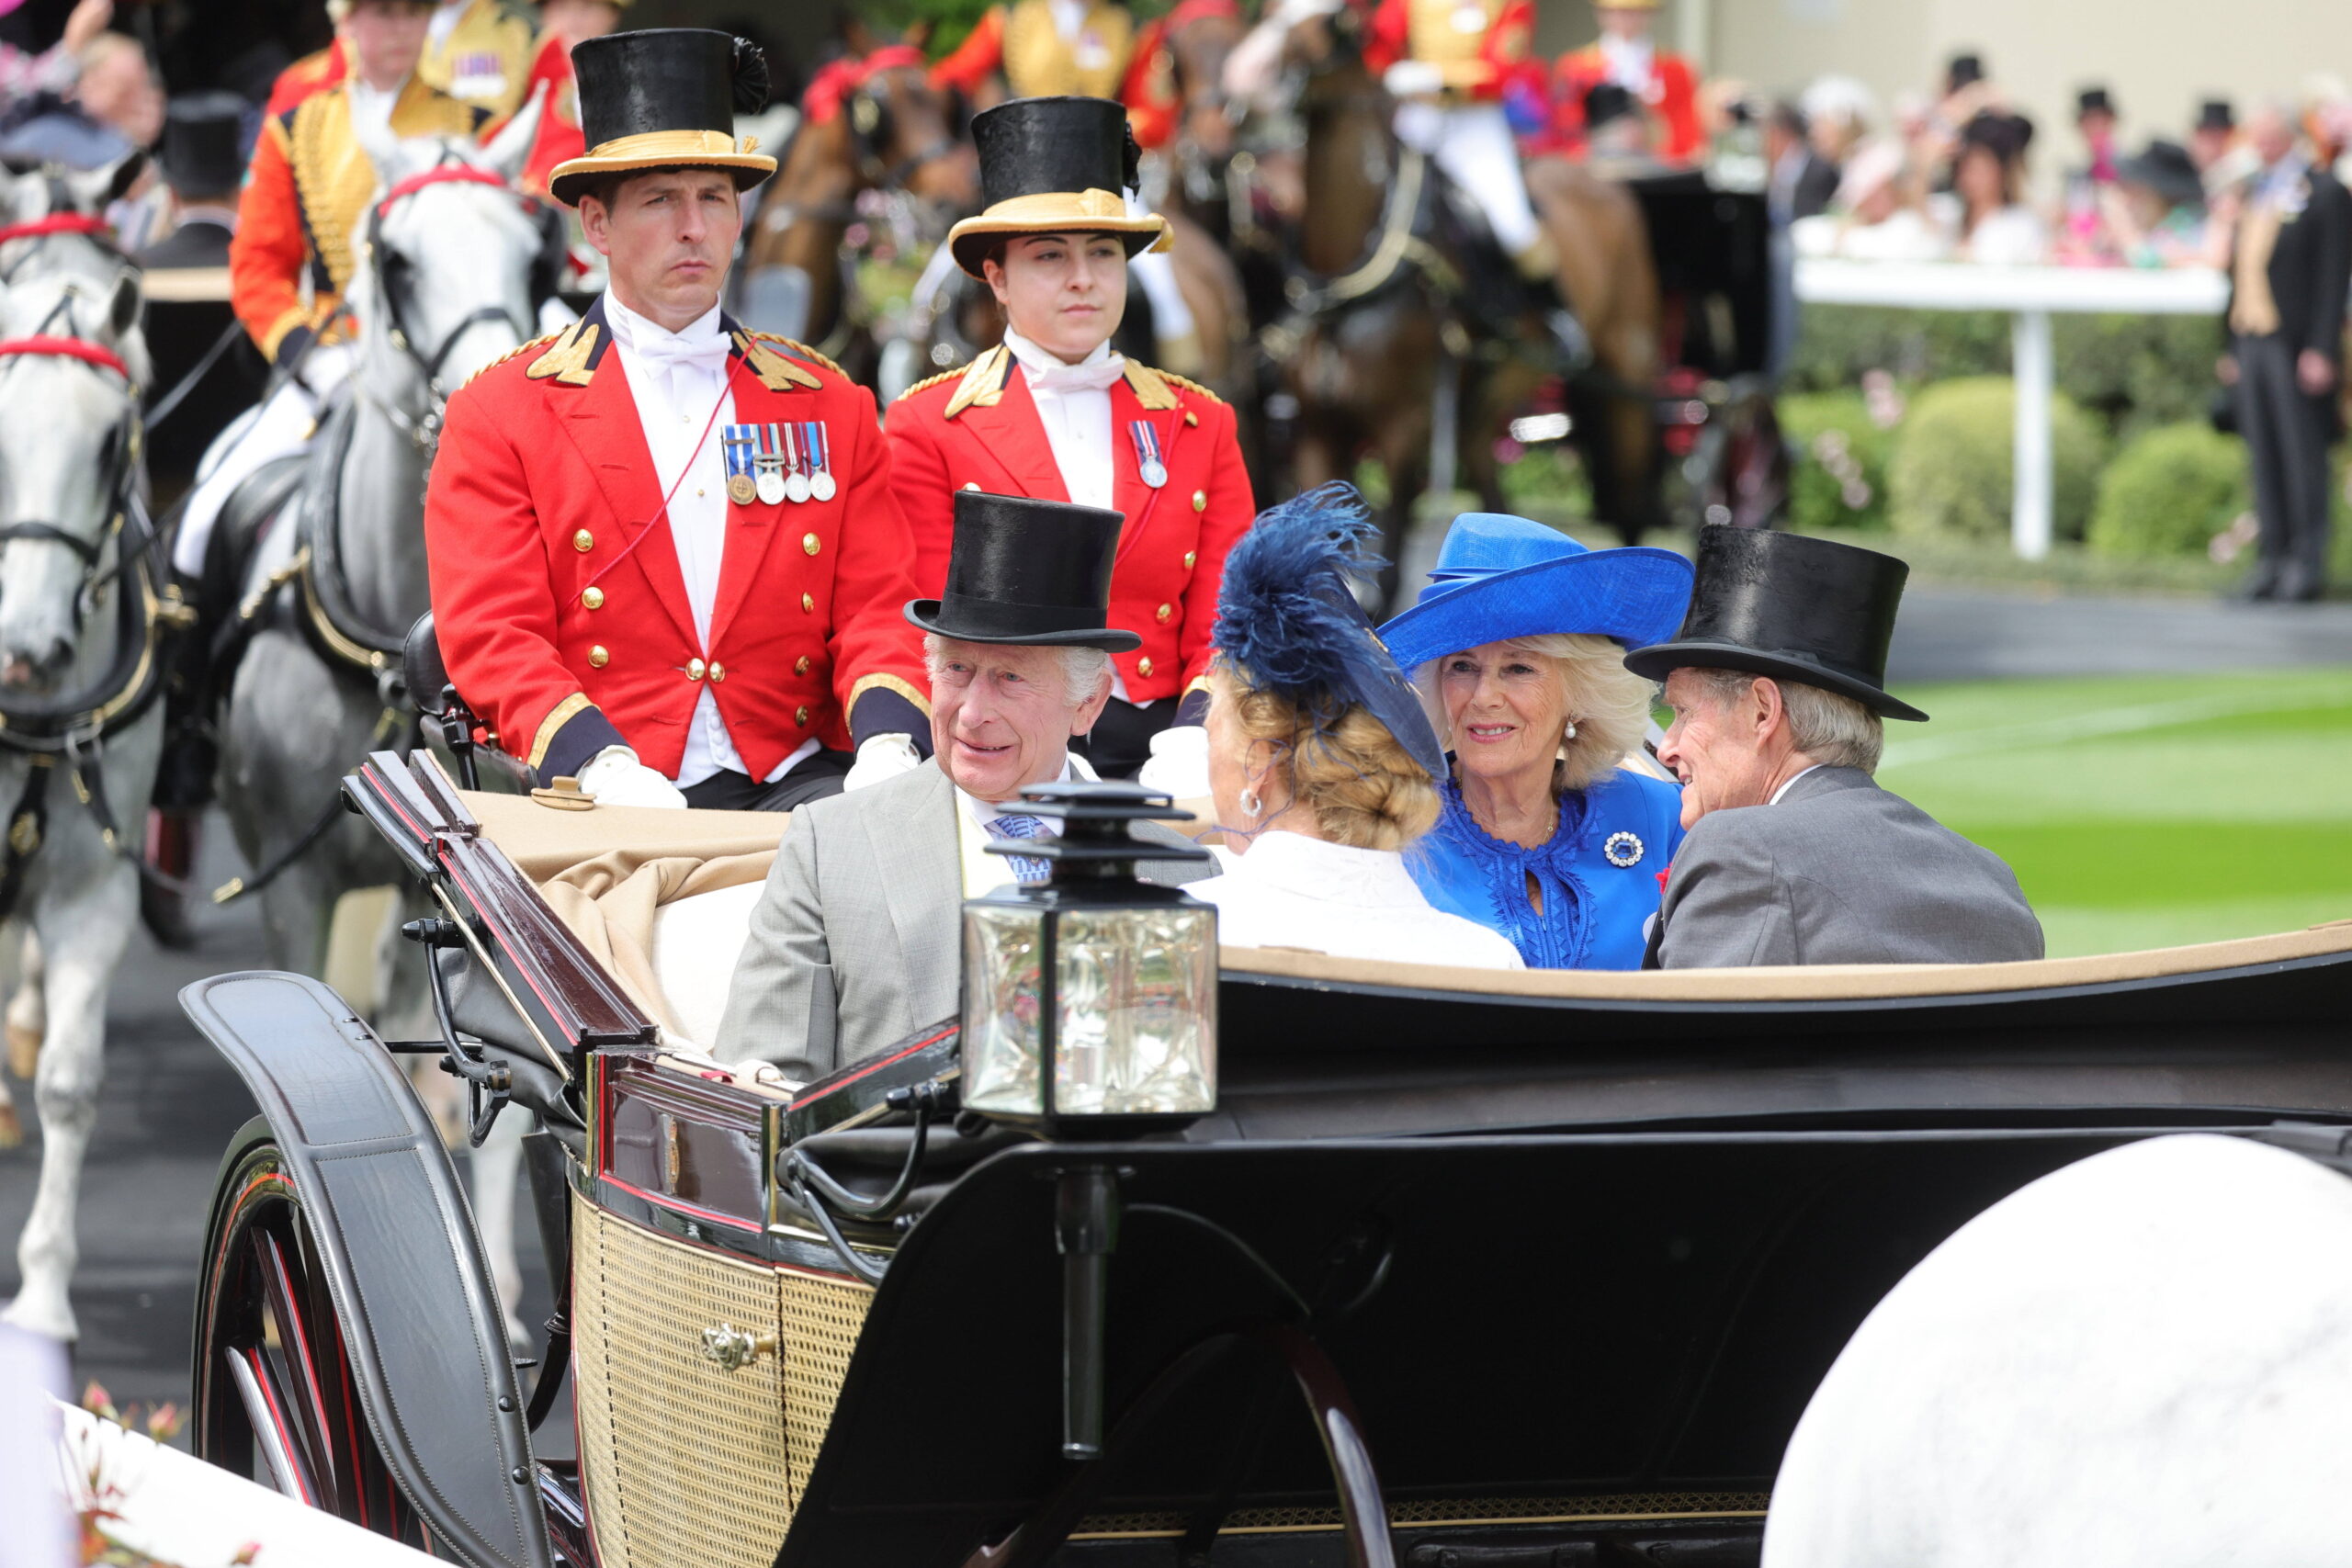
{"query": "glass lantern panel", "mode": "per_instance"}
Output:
(1003, 945)
(1137, 992)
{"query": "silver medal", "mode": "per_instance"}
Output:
(773, 488)
(796, 487)
(1154, 472)
(821, 486)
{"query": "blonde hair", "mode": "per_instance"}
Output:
(1363, 787)
(1609, 704)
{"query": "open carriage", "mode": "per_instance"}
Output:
(1449, 1266)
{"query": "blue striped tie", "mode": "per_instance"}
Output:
(1028, 868)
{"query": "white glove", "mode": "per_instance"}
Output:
(616, 778)
(1180, 762)
(881, 758)
(1413, 78)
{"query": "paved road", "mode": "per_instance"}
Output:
(1951, 634)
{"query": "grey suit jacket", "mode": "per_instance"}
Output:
(857, 939)
(1838, 872)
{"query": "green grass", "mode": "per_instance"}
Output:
(2147, 811)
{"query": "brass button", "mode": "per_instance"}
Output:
(1190, 556)
(809, 604)
(693, 669)
(1200, 501)
(598, 657)
(800, 665)
(800, 715)
(1143, 665)
(593, 598)
(809, 543)
(1163, 613)
(717, 670)
(1192, 420)
(584, 541)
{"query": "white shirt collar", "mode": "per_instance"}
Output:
(987, 811)
(630, 330)
(370, 106)
(1035, 360)
(1784, 787)
(1628, 60)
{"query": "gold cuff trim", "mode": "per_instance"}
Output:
(563, 713)
(1197, 683)
(888, 683)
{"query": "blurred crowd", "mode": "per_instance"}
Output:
(1944, 175)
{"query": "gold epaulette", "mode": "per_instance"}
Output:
(803, 351)
(1189, 385)
(510, 353)
(983, 383)
(928, 382)
(777, 372)
(567, 358)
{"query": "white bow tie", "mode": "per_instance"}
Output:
(664, 353)
(1097, 375)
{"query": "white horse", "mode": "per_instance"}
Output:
(2141, 1359)
(441, 286)
(69, 470)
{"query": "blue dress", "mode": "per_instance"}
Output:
(1598, 872)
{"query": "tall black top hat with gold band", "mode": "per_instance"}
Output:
(1792, 607)
(1055, 166)
(664, 98)
(1028, 572)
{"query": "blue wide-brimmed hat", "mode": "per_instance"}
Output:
(1499, 576)
(1285, 614)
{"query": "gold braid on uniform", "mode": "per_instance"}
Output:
(803, 351)
(929, 381)
(526, 348)
(1189, 385)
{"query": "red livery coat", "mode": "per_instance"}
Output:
(556, 590)
(1671, 100)
(977, 429)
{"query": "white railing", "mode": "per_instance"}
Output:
(2031, 296)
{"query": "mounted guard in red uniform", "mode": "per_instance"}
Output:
(667, 560)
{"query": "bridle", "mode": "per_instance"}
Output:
(870, 121)
(425, 430)
(122, 456)
(82, 225)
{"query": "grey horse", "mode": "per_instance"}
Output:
(441, 288)
(69, 466)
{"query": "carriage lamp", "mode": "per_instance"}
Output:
(1090, 998)
(1090, 1009)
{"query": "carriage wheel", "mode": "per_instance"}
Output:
(275, 1398)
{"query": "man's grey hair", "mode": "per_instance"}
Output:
(1828, 726)
(1083, 668)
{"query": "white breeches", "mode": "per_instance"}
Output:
(280, 428)
(1473, 143)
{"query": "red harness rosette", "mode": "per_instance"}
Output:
(446, 174)
(833, 86)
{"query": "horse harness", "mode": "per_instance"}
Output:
(72, 728)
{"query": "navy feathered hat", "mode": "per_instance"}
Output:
(1286, 615)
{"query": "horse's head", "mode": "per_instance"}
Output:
(903, 132)
(48, 211)
(444, 277)
(1201, 35)
(71, 358)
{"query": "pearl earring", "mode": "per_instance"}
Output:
(1571, 735)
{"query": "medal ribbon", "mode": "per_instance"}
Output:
(812, 437)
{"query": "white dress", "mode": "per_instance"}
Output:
(1293, 891)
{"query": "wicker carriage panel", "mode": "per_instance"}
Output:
(682, 1461)
(821, 1320)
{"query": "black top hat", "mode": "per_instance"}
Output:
(2215, 114)
(665, 97)
(1605, 101)
(1792, 607)
(1028, 572)
(2005, 136)
(2093, 100)
(2165, 168)
(1053, 164)
(1963, 70)
(204, 144)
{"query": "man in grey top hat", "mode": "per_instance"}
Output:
(1793, 853)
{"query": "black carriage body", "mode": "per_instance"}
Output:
(1560, 1258)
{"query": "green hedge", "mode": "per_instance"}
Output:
(1839, 479)
(2168, 492)
(1951, 473)
(2133, 372)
